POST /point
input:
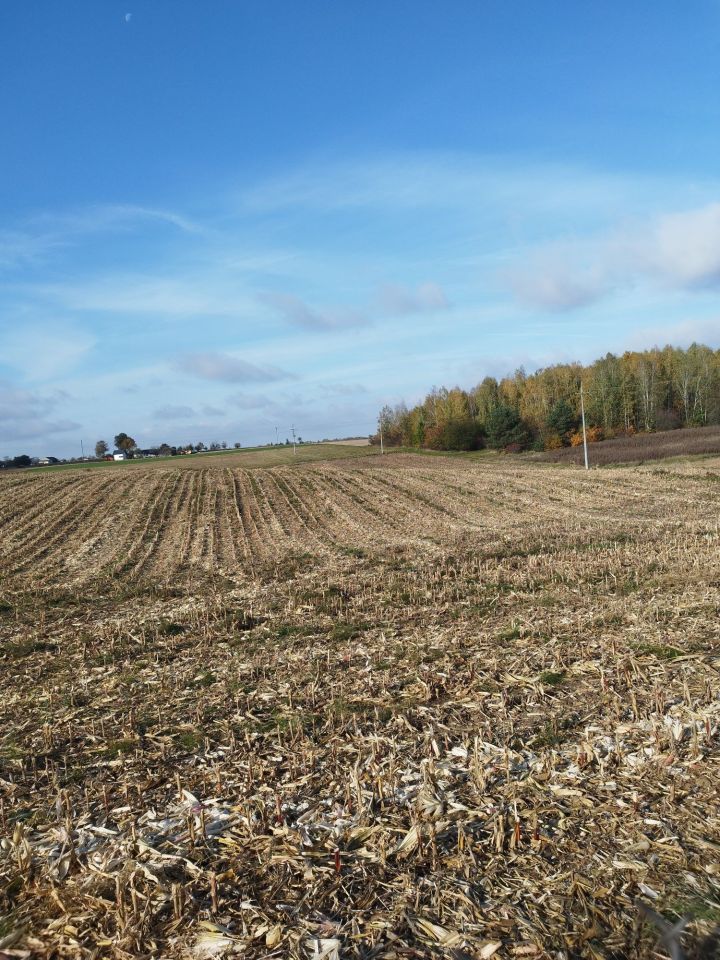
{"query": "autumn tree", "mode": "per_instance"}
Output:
(101, 448)
(125, 443)
(656, 389)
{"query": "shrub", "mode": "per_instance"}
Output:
(463, 434)
(553, 441)
(594, 435)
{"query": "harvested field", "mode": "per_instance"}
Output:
(389, 708)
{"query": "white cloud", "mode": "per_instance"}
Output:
(680, 250)
(680, 334)
(685, 246)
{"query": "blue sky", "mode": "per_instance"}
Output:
(219, 218)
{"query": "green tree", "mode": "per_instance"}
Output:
(504, 427)
(561, 419)
(101, 448)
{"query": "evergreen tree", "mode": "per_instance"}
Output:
(561, 419)
(504, 427)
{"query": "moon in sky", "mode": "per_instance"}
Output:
(128, 17)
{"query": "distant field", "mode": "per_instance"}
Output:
(354, 442)
(249, 457)
(385, 707)
(691, 441)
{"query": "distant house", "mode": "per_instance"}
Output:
(119, 455)
(47, 461)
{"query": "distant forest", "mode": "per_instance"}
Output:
(658, 389)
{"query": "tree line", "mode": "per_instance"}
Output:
(127, 445)
(657, 389)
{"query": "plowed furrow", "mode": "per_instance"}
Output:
(138, 528)
(287, 504)
(249, 512)
(157, 523)
(58, 534)
(17, 519)
(164, 560)
(374, 516)
(320, 513)
(352, 524)
(274, 540)
(232, 541)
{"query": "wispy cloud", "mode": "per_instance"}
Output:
(19, 248)
(395, 299)
(171, 412)
(343, 389)
(27, 415)
(556, 279)
(97, 218)
(464, 183)
(160, 295)
(297, 312)
(226, 368)
(391, 300)
(36, 237)
(42, 351)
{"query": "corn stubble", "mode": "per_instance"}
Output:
(395, 709)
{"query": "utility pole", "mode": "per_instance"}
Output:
(293, 433)
(277, 437)
(82, 451)
(582, 412)
(382, 447)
